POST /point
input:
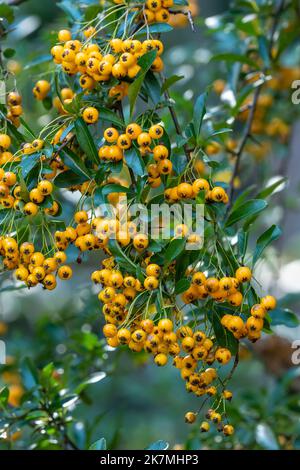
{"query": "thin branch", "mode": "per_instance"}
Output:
(248, 126)
(15, 2)
(246, 135)
(65, 143)
(235, 364)
(175, 120)
(119, 108)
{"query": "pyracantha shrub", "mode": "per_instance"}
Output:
(189, 298)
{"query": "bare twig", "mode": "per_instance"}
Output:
(235, 364)
(119, 107)
(247, 131)
(175, 120)
(244, 139)
(15, 2)
(64, 144)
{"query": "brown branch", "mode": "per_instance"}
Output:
(61, 147)
(15, 2)
(119, 108)
(246, 135)
(248, 126)
(175, 120)
(235, 364)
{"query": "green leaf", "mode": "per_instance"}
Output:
(93, 379)
(75, 163)
(9, 52)
(41, 59)
(224, 337)
(69, 400)
(230, 57)
(26, 126)
(4, 394)
(7, 12)
(4, 214)
(29, 373)
(182, 286)
(28, 162)
(18, 137)
(270, 235)
(243, 197)
(281, 316)
(47, 103)
(70, 9)
(199, 112)
(245, 210)
(120, 256)
(263, 47)
(152, 87)
(91, 12)
(108, 115)
(145, 63)
(99, 445)
(155, 28)
(24, 189)
(86, 140)
(134, 161)
(242, 242)
(265, 437)
(158, 445)
(173, 250)
(170, 81)
(68, 178)
(101, 193)
(270, 189)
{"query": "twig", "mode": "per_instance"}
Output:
(248, 126)
(15, 2)
(235, 364)
(175, 120)
(246, 135)
(119, 108)
(62, 146)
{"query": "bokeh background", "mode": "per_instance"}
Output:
(138, 403)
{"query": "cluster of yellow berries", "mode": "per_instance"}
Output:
(255, 322)
(153, 11)
(192, 352)
(28, 148)
(66, 96)
(146, 142)
(157, 11)
(5, 155)
(190, 191)
(15, 109)
(8, 194)
(220, 290)
(11, 195)
(213, 416)
(81, 235)
(95, 66)
(32, 267)
(37, 196)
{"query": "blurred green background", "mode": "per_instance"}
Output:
(138, 403)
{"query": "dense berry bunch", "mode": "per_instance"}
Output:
(132, 319)
(117, 61)
(15, 109)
